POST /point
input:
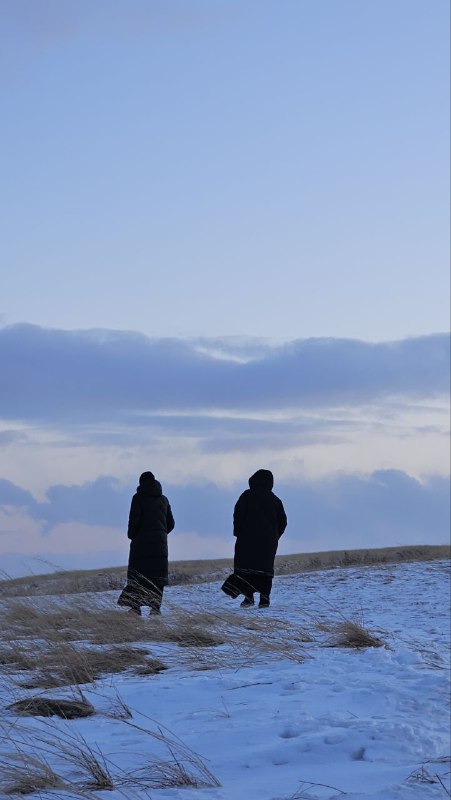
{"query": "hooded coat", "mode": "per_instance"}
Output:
(149, 523)
(259, 521)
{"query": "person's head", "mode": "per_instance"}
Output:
(146, 477)
(263, 479)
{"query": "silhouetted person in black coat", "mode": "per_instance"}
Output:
(149, 523)
(259, 521)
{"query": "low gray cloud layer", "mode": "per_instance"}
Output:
(385, 507)
(77, 377)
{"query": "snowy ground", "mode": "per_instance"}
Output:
(315, 721)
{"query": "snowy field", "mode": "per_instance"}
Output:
(281, 710)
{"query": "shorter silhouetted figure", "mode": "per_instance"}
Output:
(259, 521)
(149, 523)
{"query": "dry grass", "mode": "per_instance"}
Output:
(173, 774)
(350, 633)
(55, 644)
(23, 774)
(98, 624)
(51, 706)
(46, 757)
(90, 761)
(185, 768)
(75, 640)
(220, 639)
(27, 770)
(430, 774)
(303, 791)
(67, 665)
(432, 655)
(14, 656)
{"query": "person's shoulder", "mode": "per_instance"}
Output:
(243, 496)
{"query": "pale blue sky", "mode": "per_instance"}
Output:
(276, 168)
(260, 190)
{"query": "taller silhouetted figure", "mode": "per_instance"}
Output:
(259, 521)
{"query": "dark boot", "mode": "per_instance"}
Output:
(264, 601)
(248, 601)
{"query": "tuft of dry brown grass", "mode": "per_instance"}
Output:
(174, 774)
(90, 761)
(353, 634)
(151, 666)
(23, 774)
(184, 768)
(52, 706)
(27, 769)
(68, 665)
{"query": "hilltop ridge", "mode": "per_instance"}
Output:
(206, 570)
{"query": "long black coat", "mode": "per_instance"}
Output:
(259, 521)
(149, 523)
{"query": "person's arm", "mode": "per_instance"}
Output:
(239, 514)
(134, 517)
(281, 518)
(170, 522)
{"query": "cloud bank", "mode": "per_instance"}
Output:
(342, 503)
(77, 377)
(385, 507)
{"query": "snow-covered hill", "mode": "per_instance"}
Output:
(280, 710)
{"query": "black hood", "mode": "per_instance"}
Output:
(150, 487)
(262, 479)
